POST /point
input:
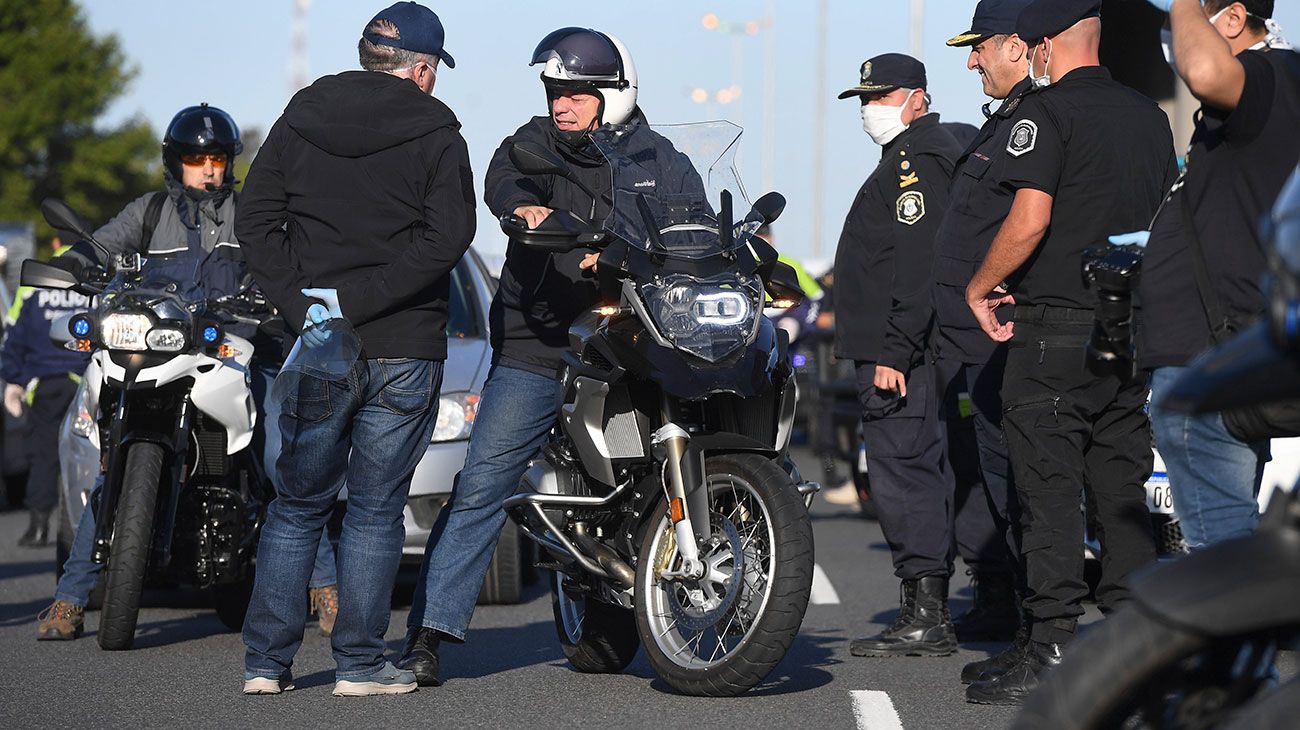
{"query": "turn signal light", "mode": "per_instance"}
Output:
(226, 351)
(82, 346)
(782, 303)
(675, 507)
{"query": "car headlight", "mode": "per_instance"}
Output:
(456, 413)
(124, 331)
(709, 318)
(83, 425)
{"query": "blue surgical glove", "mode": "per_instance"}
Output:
(319, 314)
(1162, 5)
(1124, 239)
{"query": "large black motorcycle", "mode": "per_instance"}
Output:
(1195, 647)
(665, 501)
(168, 402)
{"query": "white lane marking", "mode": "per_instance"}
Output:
(822, 591)
(874, 710)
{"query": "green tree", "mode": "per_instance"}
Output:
(56, 79)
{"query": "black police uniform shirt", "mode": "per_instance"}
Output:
(1105, 154)
(977, 205)
(1236, 165)
(883, 259)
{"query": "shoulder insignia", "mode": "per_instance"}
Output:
(1023, 137)
(908, 179)
(1009, 107)
(904, 165)
(910, 207)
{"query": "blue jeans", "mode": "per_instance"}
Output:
(1214, 476)
(514, 418)
(80, 572)
(368, 431)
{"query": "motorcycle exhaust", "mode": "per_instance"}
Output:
(620, 572)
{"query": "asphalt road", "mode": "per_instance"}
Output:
(186, 670)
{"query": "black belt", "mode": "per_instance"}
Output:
(1043, 313)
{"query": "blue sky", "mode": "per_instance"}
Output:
(493, 90)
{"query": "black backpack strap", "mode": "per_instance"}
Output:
(1220, 328)
(152, 214)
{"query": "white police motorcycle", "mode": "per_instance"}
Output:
(166, 402)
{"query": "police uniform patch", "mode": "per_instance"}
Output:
(910, 207)
(908, 179)
(1023, 137)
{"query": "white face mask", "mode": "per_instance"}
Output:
(1040, 82)
(884, 123)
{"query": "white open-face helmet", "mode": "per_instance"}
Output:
(583, 59)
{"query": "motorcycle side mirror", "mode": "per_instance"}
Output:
(62, 217)
(769, 206)
(534, 159)
(41, 275)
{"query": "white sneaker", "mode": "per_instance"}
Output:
(257, 685)
(387, 680)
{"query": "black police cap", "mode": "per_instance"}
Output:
(886, 72)
(992, 17)
(1046, 18)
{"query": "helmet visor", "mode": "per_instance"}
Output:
(584, 54)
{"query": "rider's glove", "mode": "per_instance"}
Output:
(320, 313)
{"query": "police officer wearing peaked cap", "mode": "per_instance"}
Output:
(968, 364)
(882, 267)
(1086, 157)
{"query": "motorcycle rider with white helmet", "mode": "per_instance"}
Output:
(590, 81)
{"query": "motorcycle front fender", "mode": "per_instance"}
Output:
(1235, 587)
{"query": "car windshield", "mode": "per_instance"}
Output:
(676, 187)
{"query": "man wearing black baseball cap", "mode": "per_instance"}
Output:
(968, 365)
(357, 208)
(1086, 156)
(882, 267)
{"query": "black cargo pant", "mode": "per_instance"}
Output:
(1069, 431)
(905, 463)
(986, 522)
(49, 405)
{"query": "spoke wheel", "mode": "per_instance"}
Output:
(722, 633)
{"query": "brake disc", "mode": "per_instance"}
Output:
(683, 595)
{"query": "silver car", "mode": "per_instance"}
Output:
(468, 360)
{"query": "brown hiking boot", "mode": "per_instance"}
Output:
(325, 604)
(62, 621)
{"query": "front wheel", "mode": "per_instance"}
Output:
(724, 633)
(597, 638)
(1136, 671)
(132, 538)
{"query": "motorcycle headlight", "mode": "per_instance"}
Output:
(456, 412)
(709, 318)
(125, 331)
(165, 339)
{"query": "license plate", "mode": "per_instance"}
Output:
(1160, 498)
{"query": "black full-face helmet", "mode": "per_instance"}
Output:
(201, 129)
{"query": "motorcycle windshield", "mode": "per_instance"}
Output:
(675, 187)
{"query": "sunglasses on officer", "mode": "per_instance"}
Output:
(199, 159)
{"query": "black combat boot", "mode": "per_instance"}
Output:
(1012, 686)
(421, 656)
(38, 530)
(998, 663)
(995, 614)
(923, 627)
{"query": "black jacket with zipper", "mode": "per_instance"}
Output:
(363, 185)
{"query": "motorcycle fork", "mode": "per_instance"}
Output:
(683, 479)
(179, 476)
(104, 518)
